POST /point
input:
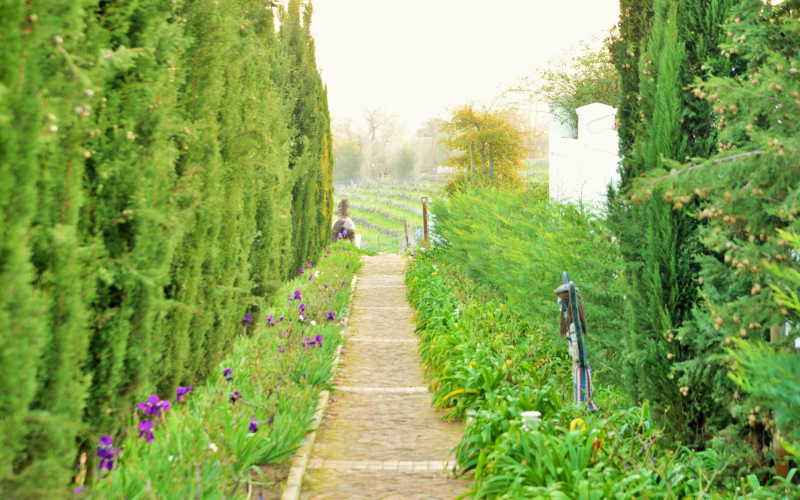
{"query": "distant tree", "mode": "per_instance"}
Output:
(429, 149)
(578, 76)
(401, 164)
(347, 161)
(493, 139)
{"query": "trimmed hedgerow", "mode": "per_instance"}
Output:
(153, 194)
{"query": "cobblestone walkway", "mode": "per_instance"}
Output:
(380, 438)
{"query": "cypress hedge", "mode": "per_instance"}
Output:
(165, 164)
(663, 46)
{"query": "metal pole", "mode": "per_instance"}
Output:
(576, 319)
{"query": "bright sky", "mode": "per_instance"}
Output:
(419, 57)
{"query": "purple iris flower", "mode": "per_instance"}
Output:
(329, 252)
(302, 307)
(235, 397)
(227, 374)
(342, 283)
(246, 320)
(280, 349)
(297, 295)
(324, 286)
(270, 320)
(347, 266)
(308, 265)
(107, 453)
(302, 271)
(331, 315)
(344, 232)
(280, 319)
(78, 490)
(307, 342)
(253, 424)
(146, 430)
(340, 236)
(154, 406)
(310, 277)
(182, 392)
(319, 340)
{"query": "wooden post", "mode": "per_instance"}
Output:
(472, 159)
(405, 226)
(425, 216)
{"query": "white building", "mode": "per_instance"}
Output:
(580, 169)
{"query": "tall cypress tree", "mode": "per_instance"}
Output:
(658, 240)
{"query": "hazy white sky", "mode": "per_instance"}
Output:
(419, 57)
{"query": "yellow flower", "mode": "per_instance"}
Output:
(575, 423)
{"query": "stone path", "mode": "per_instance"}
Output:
(380, 438)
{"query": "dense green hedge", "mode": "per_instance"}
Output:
(164, 165)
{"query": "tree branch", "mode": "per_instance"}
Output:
(706, 164)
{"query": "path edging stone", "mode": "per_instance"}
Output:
(294, 482)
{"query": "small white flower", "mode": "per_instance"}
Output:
(302, 318)
(169, 459)
(213, 447)
(457, 311)
(313, 323)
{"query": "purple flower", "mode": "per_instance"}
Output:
(302, 308)
(308, 265)
(281, 349)
(319, 340)
(253, 424)
(154, 406)
(280, 319)
(302, 271)
(227, 374)
(324, 286)
(235, 397)
(107, 453)
(412, 254)
(270, 320)
(146, 430)
(182, 392)
(246, 320)
(331, 315)
(347, 266)
(342, 283)
(329, 252)
(340, 236)
(310, 277)
(344, 232)
(307, 342)
(78, 490)
(297, 295)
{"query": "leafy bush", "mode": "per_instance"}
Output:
(519, 242)
(273, 377)
(487, 364)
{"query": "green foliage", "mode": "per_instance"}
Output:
(348, 161)
(616, 452)
(578, 76)
(658, 56)
(520, 243)
(492, 146)
(401, 165)
(745, 195)
(166, 166)
(279, 380)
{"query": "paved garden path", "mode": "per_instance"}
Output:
(380, 438)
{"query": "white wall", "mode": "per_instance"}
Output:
(580, 169)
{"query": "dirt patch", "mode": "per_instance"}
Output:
(269, 483)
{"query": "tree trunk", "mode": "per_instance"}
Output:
(491, 163)
(472, 160)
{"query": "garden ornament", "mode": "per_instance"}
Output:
(343, 227)
(571, 309)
